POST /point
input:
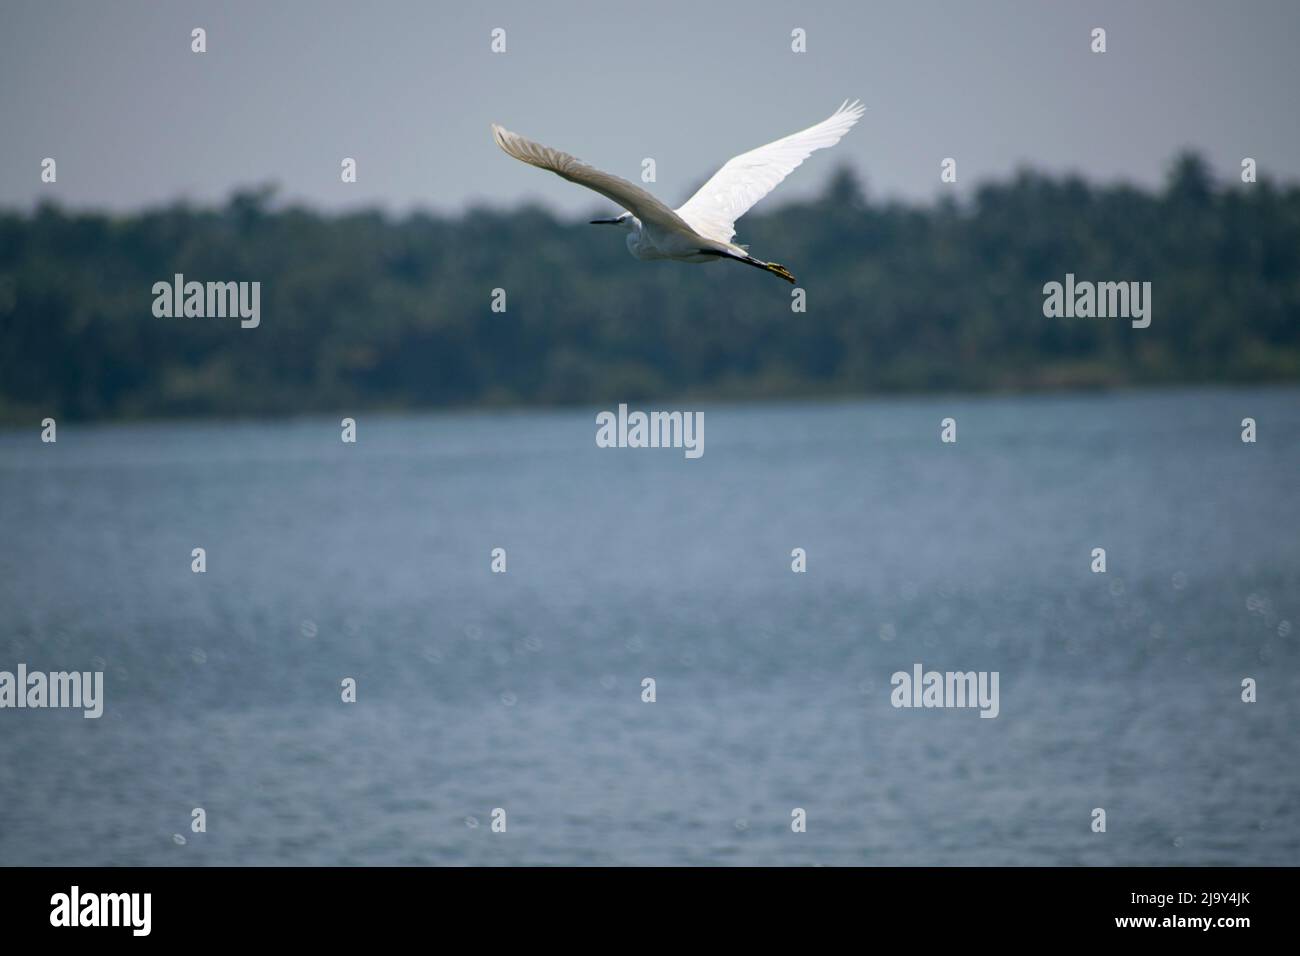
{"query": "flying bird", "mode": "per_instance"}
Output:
(701, 230)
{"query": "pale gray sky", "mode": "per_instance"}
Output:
(287, 89)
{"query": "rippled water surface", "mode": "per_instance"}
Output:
(523, 690)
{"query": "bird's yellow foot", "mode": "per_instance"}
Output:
(780, 270)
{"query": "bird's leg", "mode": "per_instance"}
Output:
(775, 268)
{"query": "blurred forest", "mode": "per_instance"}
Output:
(367, 311)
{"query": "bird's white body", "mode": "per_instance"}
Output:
(700, 230)
(650, 242)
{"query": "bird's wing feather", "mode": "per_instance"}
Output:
(747, 178)
(631, 197)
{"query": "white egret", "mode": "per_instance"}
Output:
(702, 229)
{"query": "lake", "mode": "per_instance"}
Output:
(523, 690)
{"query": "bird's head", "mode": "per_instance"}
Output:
(625, 221)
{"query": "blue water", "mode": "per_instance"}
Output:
(523, 690)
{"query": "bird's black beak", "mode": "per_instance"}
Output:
(605, 222)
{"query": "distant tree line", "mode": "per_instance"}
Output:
(367, 311)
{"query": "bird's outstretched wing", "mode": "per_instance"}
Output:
(747, 178)
(628, 195)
